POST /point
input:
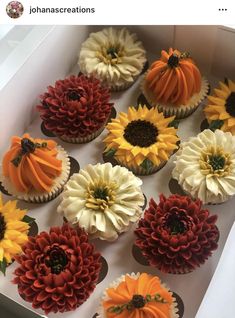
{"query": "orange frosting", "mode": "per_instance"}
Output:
(145, 286)
(34, 169)
(174, 78)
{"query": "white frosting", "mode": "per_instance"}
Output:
(210, 188)
(129, 64)
(116, 217)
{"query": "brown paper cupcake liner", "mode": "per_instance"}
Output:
(181, 111)
(35, 197)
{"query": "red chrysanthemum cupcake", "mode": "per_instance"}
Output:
(58, 270)
(76, 109)
(177, 234)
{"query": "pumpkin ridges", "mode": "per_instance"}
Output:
(185, 95)
(172, 86)
(165, 85)
(178, 89)
(159, 86)
(198, 79)
(189, 80)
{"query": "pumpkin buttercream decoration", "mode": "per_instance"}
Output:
(34, 169)
(58, 270)
(177, 235)
(138, 295)
(175, 84)
(76, 109)
(220, 108)
(141, 139)
(14, 228)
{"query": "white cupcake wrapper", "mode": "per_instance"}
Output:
(101, 313)
(35, 197)
(181, 111)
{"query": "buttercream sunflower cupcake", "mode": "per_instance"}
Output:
(205, 166)
(141, 139)
(220, 108)
(34, 170)
(138, 295)
(14, 230)
(174, 83)
(114, 56)
(58, 270)
(102, 199)
(76, 109)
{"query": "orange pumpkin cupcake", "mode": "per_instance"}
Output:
(174, 83)
(34, 170)
(138, 295)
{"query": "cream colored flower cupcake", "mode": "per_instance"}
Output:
(104, 200)
(138, 295)
(114, 56)
(205, 166)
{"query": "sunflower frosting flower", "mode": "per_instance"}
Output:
(141, 138)
(13, 232)
(205, 166)
(220, 109)
(114, 56)
(104, 200)
(138, 295)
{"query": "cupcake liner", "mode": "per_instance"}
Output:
(181, 111)
(34, 196)
(101, 313)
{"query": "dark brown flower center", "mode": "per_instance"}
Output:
(177, 222)
(173, 60)
(56, 259)
(138, 301)
(74, 94)
(113, 52)
(101, 193)
(141, 133)
(230, 104)
(217, 162)
(2, 226)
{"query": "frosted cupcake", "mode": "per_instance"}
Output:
(14, 230)
(205, 166)
(141, 139)
(138, 295)
(114, 56)
(174, 83)
(34, 170)
(220, 108)
(177, 235)
(76, 109)
(102, 199)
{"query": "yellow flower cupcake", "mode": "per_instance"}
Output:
(141, 139)
(13, 232)
(220, 109)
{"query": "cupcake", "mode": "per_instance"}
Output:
(205, 166)
(34, 170)
(114, 56)
(138, 295)
(220, 108)
(174, 84)
(76, 109)
(141, 139)
(177, 235)
(58, 270)
(14, 228)
(102, 199)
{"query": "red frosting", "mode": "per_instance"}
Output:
(177, 235)
(58, 270)
(76, 107)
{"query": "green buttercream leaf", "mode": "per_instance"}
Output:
(110, 152)
(28, 219)
(3, 266)
(216, 124)
(174, 123)
(146, 164)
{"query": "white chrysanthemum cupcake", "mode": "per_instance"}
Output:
(104, 200)
(138, 295)
(114, 56)
(205, 166)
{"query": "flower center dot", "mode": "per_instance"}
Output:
(73, 95)
(230, 104)
(100, 193)
(112, 51)
(216, 162)
(138, 301)
(2, 226)
(177, 222)
(173, 60)
(56, 259)
(141, 133)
